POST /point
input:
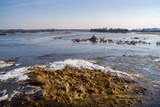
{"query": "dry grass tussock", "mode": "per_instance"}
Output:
(82, 87)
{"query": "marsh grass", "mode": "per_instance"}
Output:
(82, 87)
(94, 39)
(12, 60)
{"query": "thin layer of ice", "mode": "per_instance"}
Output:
(18, 73)
(4, 95)
(18, 64)
(4, 64)
(117, 73)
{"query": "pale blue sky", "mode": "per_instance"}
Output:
(82, 14)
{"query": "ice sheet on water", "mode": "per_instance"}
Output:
(18, 73)
(4, 64)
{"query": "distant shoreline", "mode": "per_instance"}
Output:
(152, 33)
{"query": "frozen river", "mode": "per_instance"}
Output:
(141, 60)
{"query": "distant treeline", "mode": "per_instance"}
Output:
(125, 30)
(110, 30)
(12, 31)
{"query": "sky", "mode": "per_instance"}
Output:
(79, 14)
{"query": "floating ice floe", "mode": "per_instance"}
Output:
(4, 64)
(18, 73)
(4, 95)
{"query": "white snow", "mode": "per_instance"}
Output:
(4, 95)
(13, 94)
(156, 82)
(32, 90)
(117, 73)
(18, 64)
(156, 60)
(18, 73)
(79, 63)
(4, 64)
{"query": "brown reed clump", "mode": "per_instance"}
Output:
(82, 87)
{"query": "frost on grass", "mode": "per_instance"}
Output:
(18, 73)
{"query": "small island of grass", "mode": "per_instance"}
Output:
(79, 87)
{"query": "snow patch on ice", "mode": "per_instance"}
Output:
(156, 82)
(79, 63)
(18, 64)
(156, 60)
(138, 75)
(4, 64)
(4, 95)
(18, 73)
(117, 73)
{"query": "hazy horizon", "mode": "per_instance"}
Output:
(79, 14)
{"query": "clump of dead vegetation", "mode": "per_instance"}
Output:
(94, 39)
(158, 43)
(11, 60)
(81, 87)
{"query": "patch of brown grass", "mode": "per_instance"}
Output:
(12, 60)
(83, 87)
